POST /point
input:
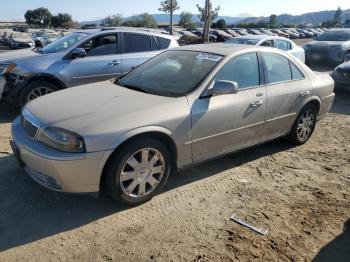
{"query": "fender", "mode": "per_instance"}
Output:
(313, 98)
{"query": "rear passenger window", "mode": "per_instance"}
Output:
(243, 69)
(278, 68)
(134, 43)
(154, 45)
(283, 45)
(296, 74)
(163, 43)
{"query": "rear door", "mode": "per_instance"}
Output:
(287, 88)
(138, 48)
(102, 61)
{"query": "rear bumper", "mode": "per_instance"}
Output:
(326, 105)
(66, 172)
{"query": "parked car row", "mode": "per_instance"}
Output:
(31, 38)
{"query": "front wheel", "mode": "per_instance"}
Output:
(138, 171)
(304, 125)
(35, 90)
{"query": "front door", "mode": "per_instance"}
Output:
(224, 123)
(102, 61)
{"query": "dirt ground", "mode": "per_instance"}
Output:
(301, 194)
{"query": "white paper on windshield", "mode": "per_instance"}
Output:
(211, 57)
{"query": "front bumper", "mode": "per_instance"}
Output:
(60, 171)
(2, 86)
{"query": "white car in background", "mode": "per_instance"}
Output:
(271, 41)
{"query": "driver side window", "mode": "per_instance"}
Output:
(101, 45)
(243, 69)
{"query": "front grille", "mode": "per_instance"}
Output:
(28, 123)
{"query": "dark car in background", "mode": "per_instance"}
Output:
(331, 47)
(341, 75)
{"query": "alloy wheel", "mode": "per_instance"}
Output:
(38, 92)
(306, 125)
(142, 172)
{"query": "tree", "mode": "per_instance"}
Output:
(221, 24)
(169, 6)
(114, 20)
(142, 20)
(273, 21)
(62, 20)
(186, 20)
(337, 16)
(207, 16)
(40, 17)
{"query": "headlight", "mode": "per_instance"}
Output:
(61, 139)
(6, 68)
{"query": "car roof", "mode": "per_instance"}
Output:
(257, 37)
(219, 49)
(146, 31)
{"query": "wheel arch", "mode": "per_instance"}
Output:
(159, 133)
(46, 77)
(314, 100)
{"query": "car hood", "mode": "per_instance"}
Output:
(103, 107)
(326, 43)
(18, 55)
(344, 66)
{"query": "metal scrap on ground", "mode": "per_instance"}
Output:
(262, 231)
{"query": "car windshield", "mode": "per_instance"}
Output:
(63, 43)
(242, 41)
(172, 73)
(335, 36)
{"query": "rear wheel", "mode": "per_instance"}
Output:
(35, 90)
(138, 171)
(304, 125)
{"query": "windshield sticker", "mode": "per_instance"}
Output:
(211, 57)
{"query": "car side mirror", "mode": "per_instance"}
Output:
(224, 87)
(77, 53)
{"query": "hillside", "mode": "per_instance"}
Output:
(314, 18)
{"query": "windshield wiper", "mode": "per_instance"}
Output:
(135, 88)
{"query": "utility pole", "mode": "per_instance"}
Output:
(171, 16)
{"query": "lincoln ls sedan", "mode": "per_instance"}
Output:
(184, 106)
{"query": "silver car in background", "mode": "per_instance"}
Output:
(184, 106)
(79, 58)
(271, 41)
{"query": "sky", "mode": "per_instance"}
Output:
(85, 10)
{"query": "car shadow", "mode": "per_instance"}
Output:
(338, 250)
(8, 113)
(30, 212)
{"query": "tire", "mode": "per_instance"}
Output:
(302, 131)
(124, 188)
(28, 92)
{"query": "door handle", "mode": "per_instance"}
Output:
(114, 63)
(257, 103)
(305, 93)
